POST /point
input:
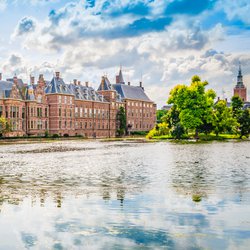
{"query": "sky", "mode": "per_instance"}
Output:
(161, 42)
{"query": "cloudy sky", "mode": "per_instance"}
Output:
(162, 42)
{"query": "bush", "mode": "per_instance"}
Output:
(46, 134)
(55, 136)
(178, 131)
(158, 130)
(66, 135)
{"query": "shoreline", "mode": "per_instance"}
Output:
(137, 139)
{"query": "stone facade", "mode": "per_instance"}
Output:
(55, 107)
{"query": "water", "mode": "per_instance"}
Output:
(121, 195)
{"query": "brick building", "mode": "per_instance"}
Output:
(240, 89)
(75, 108)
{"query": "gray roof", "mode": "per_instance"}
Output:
(130, 92)
(19, 82)
(85, 93)
(105, 84)
(58, 86)
(5, 89)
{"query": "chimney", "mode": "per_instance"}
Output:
(75, 81)
(57, 74)
(218, 98)
(1, 76)
(141, 84)
(32, 80)
(79, 83)
(87, 84)
(128, 83)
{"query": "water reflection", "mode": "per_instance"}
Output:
(118, 195)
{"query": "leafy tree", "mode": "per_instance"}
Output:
(223, 120)
(121, 117)
(159, 114)
(195, 105)
(244, 121)
(237, 105)
(4, 126)
(172, 117)
(178, 131)
(158, 130)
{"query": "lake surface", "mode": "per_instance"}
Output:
(125, 195)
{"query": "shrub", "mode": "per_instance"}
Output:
(55, 136)
(159, 130)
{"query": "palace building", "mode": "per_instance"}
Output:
(55, 107)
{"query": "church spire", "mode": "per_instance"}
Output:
(240, 78)
(119, 78)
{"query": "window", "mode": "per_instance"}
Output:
(59, 99)
(1, 111)
(23, 113)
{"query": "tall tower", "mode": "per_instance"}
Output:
(240, 89)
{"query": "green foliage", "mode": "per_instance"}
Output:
(244, 123)
(237, 105)
(194, 104)
(141, 133)
(5, 126)
(46, 134)
(223, 120)
(158, 130)
(160, 114)
(178, 131)
(121, 117)
(55, 136)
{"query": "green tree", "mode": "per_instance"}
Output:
(244, 123)
(223, 120)
(194, 104)
(121, 117)
(237, 105)
(159, 114)
(4, 126)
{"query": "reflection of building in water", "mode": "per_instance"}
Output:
(14, 191)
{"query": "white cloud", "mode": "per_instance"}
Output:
(3, 5)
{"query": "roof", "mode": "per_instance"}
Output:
(85, 93)
(130, 92)
(57, 86)
(119, 78)
(5, 89)
(19, 82)
(105, 84)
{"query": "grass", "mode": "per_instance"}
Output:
(202, 137)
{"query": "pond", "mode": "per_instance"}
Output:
(125, 195)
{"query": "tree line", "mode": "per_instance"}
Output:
(194, 111)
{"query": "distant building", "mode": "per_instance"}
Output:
(240, 89)
(73, 109)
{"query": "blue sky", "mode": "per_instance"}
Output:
(163, 41)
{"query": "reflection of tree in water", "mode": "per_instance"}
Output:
(191, 175)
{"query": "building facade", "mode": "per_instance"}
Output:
(73, 109)
(240, 89)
